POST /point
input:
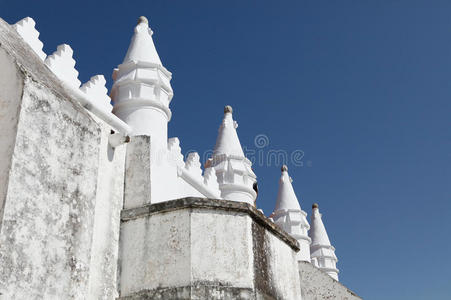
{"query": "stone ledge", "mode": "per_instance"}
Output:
(214, 204)
(196, 291)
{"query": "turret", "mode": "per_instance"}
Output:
(233, 170)
(322, 252)
(289, 215)
(141, 91)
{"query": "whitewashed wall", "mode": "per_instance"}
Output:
(59, 190)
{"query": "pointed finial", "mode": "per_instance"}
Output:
(228, 109)
(143, 19)
(284, 168)
(315, 205)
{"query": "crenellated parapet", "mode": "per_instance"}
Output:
(96, 91)
(190, 171)
(62, 64)
(193, 166)
(93, 95)
(27, 30)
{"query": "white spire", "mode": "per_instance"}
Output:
(233, 169)
(289, 215)
(322, 252)
(142, 47)
(228, 141)
(141, 91)
(286, 198)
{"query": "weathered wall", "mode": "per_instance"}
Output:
(153, 179)
(317, 285)
(11, 86)
(276, 274)
(195, 248)
(155, 252)
(227, 239)
(48, 216)
(61, 186)
(109, 202)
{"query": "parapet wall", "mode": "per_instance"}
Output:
(317, 285)
(195, 248)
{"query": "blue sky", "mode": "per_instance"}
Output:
(362, 88)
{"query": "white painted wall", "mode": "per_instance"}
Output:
(11, 87)
(109, 202)
(155, 252)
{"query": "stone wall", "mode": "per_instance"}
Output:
(317, 285)
(196, 248)
(60, 188)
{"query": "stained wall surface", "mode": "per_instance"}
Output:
(59, 190)
(317, 285)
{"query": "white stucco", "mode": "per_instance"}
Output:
(26, 29)
(155, 252)
(62, 64)
(228, 241)
(11, 88)
(96, 91)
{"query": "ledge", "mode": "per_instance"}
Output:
(213, 204)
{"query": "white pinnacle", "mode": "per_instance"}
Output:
(142, 48)
(233, 169)
(289, 215)
(322, 252)
(286, 198)
(228, 141)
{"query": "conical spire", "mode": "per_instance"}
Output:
(228, 142)
(286, 198)
(233, 170)
(141, 91)
(289, 215)
(322, 252)
(317, 230)
(142, 48)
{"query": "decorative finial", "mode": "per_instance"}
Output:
(143, 19)
(228, 109)
(315, 205)
(284, 168)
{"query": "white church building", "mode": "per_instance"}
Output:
(98, 202)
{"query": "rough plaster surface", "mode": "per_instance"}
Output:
(275, 267)
(61, 186)
(196, 248)
(48, 216)
(137, 169)
(11, 87)
(109, 200)
(227, 239)
(317, 285)
(155, 252)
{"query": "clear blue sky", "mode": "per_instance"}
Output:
(363, 88)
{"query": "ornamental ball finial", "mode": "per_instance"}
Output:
(143, 19)
(315, 205)
(284, 168)
(228, 109)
